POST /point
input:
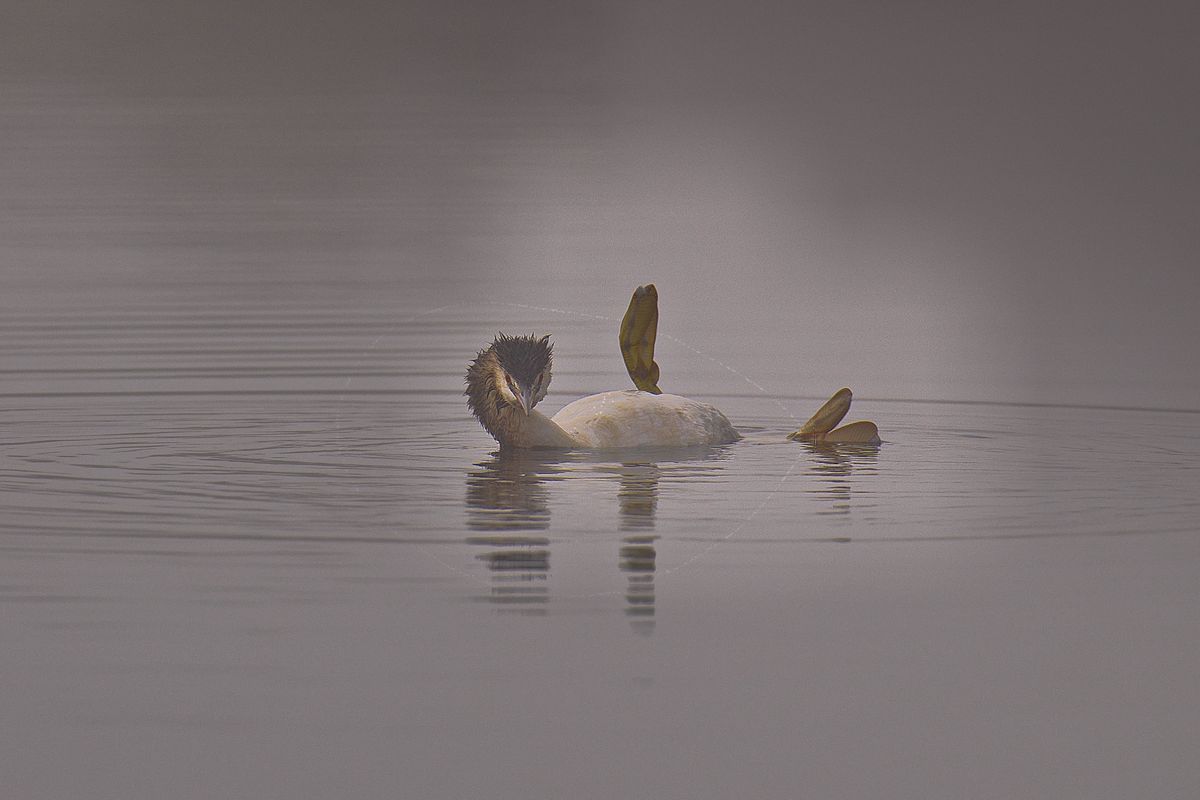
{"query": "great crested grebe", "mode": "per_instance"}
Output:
(511, 376)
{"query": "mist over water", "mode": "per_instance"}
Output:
(252, 543)
(943, 202)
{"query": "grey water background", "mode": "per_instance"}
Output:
(255, 546)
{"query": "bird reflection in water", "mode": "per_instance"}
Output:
(638, 499)
(507, 502)
(519, 573)
(508, 505)
(638, 495)
(637, 561)
(506, 498)
(832, 465)
(508, 493)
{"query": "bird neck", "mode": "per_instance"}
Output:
(515, 428)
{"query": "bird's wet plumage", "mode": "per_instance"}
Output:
(510, 376)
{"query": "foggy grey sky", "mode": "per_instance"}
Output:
(1016, 185)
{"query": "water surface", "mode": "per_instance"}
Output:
(263, 550)
(252, 544)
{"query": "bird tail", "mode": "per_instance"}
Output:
(639, 328)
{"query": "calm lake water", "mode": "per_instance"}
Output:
(254, 545)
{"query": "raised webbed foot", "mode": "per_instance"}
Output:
(820, 427)
(639, 328)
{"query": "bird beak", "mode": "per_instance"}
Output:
(526, 398)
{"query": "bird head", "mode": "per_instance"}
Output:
(514, 371)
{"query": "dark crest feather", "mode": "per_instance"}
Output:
(523, 357)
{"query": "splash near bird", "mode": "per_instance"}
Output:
(512, 375)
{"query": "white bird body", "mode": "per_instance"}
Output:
(622, 419)
(633, 418)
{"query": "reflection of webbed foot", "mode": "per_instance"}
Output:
(639, 328)
(820, 427)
